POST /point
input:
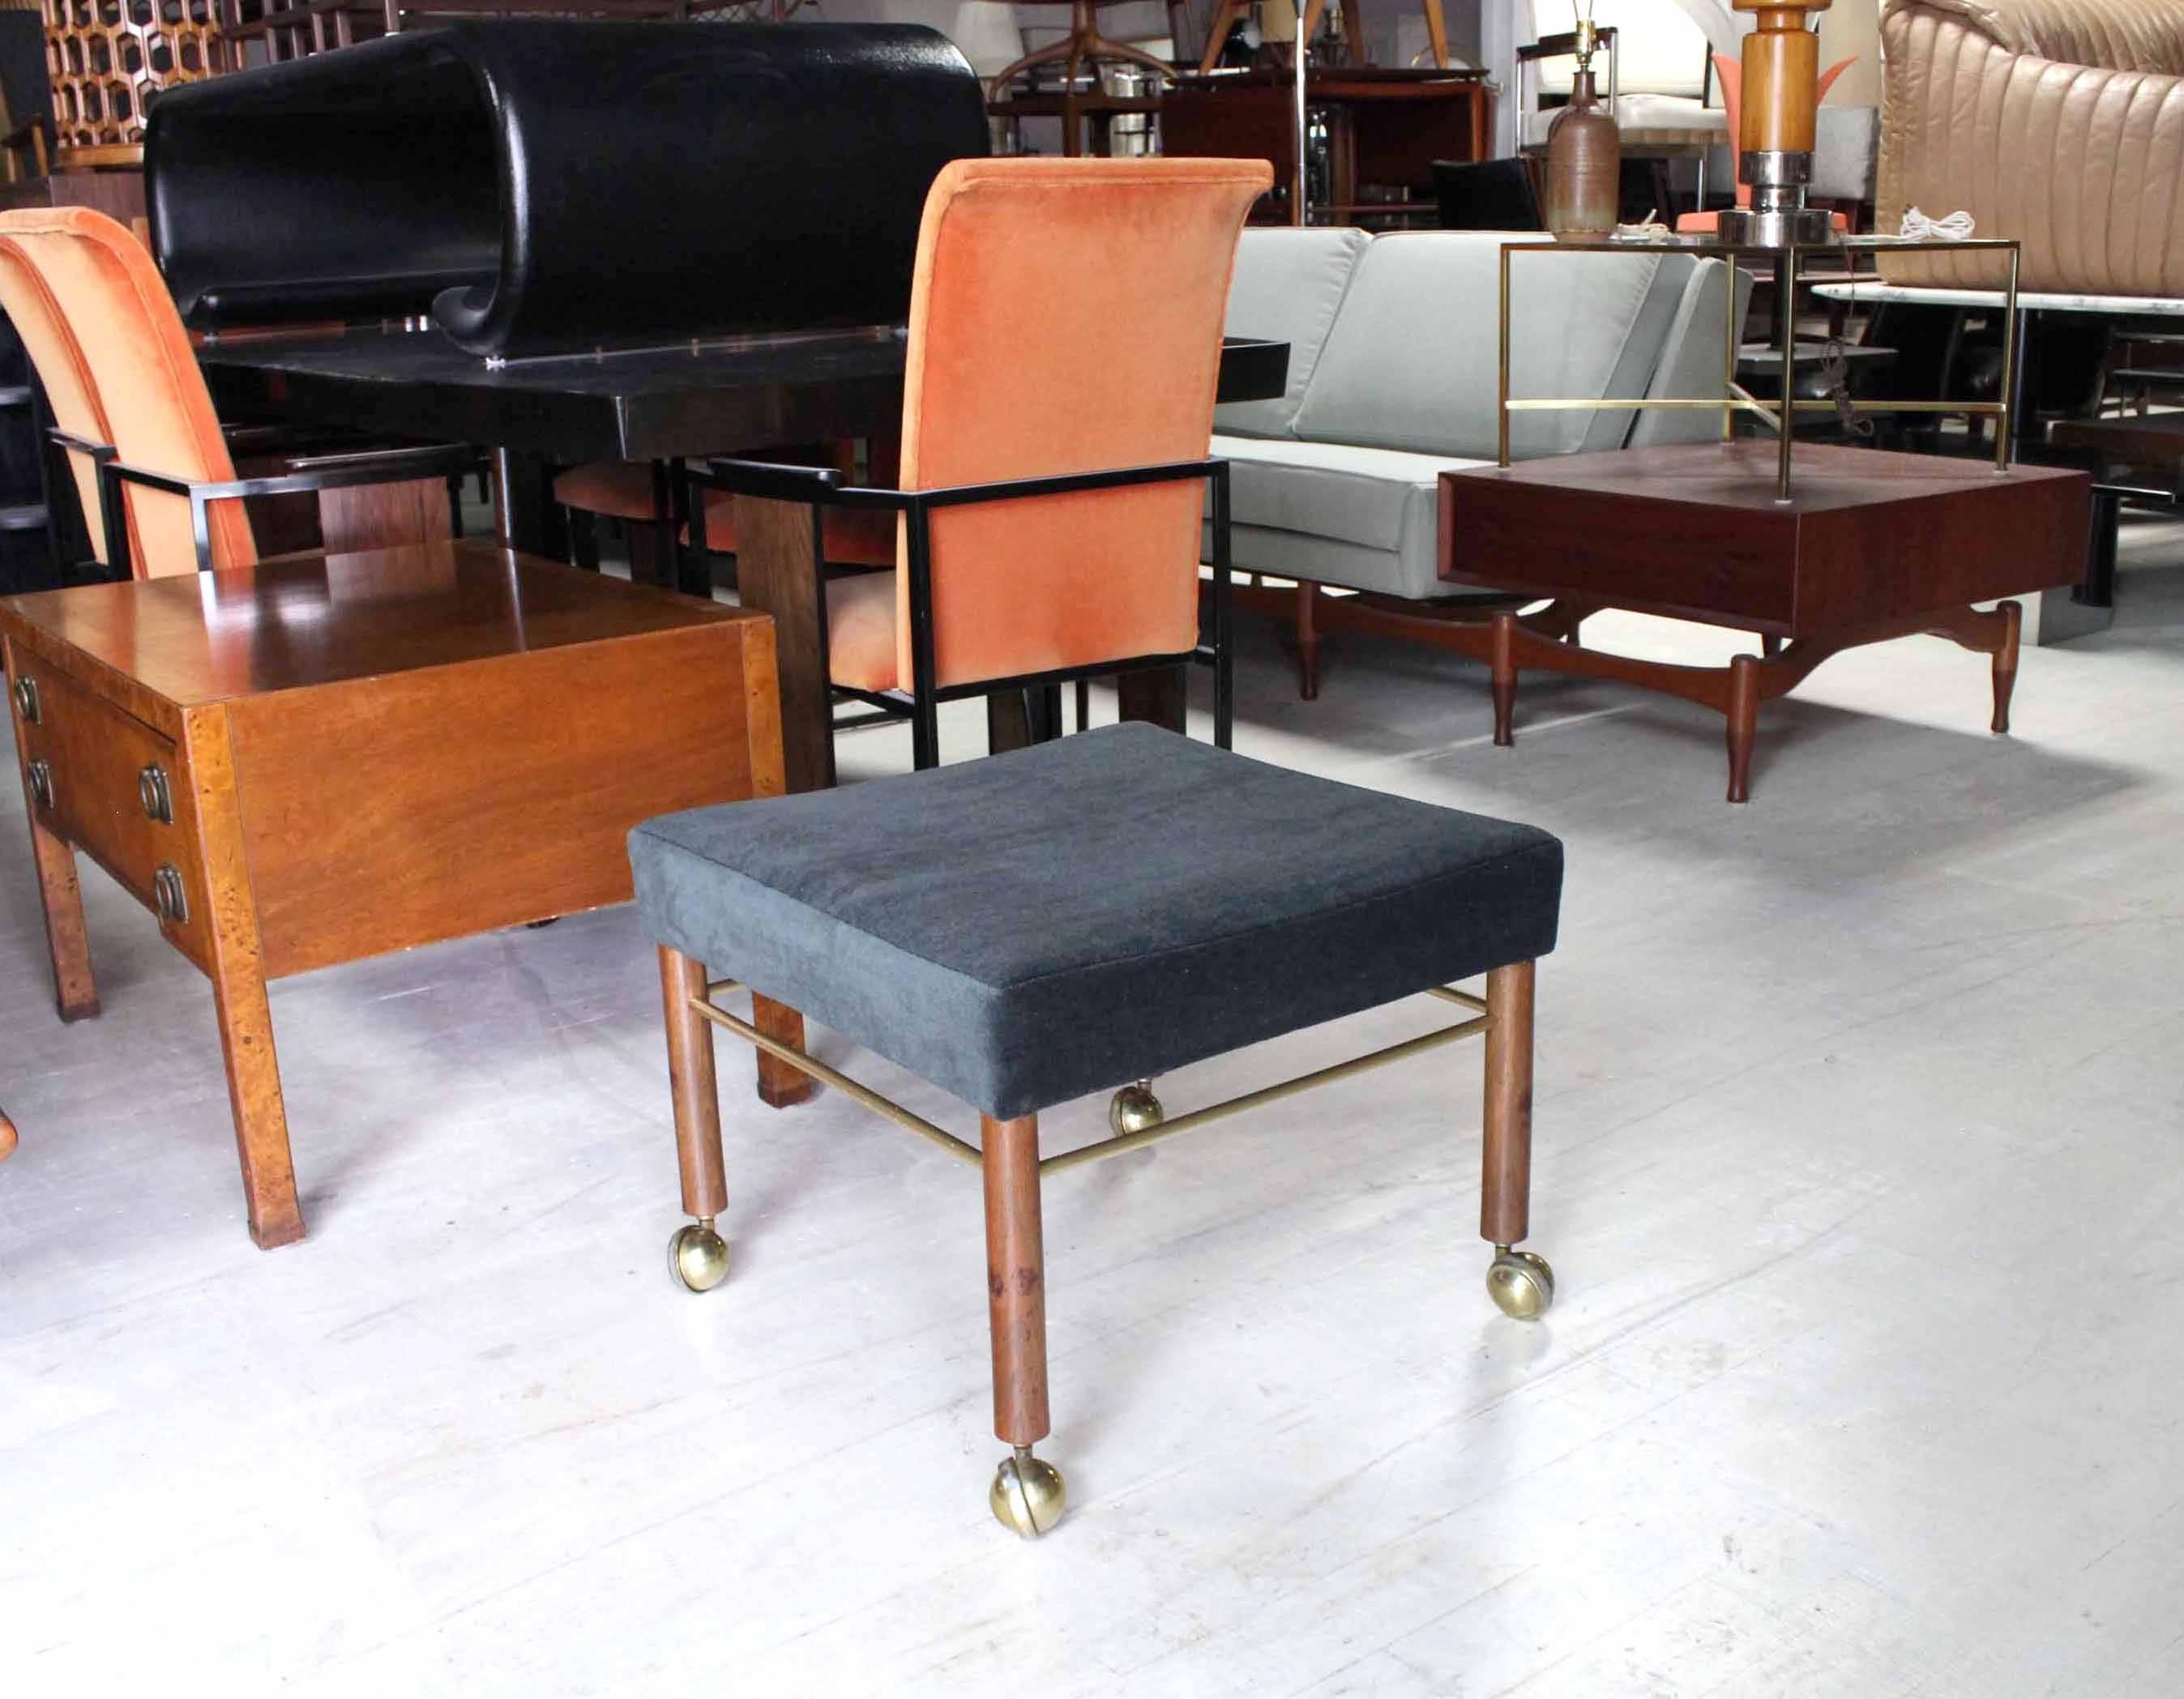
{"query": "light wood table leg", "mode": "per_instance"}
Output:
(75, 993)
(238, 987)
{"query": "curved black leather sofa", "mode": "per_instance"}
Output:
(542, 186)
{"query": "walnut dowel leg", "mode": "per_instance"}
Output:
(2005, 664)
(1307, 641)
(697, 1254)
(75, 993)
(779, 1085)
(1026, 1494)
(1016, 1278)
(1519, 1281)
(696, 1091)
(1503, 679)
(1743, 723)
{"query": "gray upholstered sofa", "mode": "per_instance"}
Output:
(1393, 371)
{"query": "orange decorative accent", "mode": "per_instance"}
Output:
(122, 350)
(108, 59)
(1065, 316)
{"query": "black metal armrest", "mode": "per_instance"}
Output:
(826, 486)
(321, 473)
(770, 480)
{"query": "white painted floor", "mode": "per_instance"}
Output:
(1860, 1116)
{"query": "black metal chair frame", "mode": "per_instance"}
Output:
(321, 473)
(819, 487)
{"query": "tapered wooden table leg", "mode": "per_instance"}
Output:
(75, 993)
(1520, 1282)
(1743, 723)
(2005, 664)
(238, 988)
(261, 1115)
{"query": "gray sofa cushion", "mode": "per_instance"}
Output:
(1026, 928)
(1691, 364)
(1413, 360)
(1383, 502)
(1288, 286)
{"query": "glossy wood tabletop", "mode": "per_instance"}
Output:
(212, 637)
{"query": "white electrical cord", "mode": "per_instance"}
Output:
(1956, 227)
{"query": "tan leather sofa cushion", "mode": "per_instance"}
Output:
(2059, 122)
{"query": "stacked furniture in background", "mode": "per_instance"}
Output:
(1393, 378)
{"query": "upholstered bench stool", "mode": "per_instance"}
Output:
(1090, 912)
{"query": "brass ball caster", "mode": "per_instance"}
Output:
(1521, 1284)
(1027, 1495)
(698, 1256)
(1134, 1108)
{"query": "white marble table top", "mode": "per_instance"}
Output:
(1872, 289)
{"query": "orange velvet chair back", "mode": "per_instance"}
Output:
(143, 379)
(51, 345)
(1065, 316)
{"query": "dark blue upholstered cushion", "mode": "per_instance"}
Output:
(1025, 929)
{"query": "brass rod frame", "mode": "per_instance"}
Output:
(1734, 399)
(1785, 287)
(1752, 403)
(1744, 401)
(1266, 1094)
(803, 1063)
(806, 1063)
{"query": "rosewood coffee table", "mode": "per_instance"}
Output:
(1871, 545)
(310, 761)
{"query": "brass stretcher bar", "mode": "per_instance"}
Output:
(803, 1063)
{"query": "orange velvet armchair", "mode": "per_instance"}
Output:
(1054, 471)
(150, 460)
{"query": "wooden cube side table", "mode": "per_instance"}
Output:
(1872, 545)
(311, 761)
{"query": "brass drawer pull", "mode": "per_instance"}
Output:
(152, 791)
(167, 892)
(42, 785)
(26, 699)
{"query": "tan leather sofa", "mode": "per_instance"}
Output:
(2059, 122)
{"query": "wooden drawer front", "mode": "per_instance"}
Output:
(384, 813)
(95, 756)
